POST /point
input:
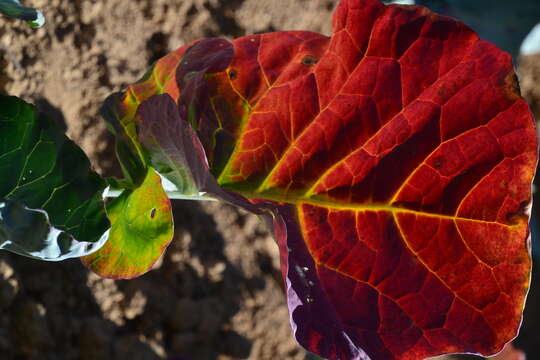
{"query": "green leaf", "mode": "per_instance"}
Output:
(13, 8)
(50, 200)
(28, 232)
(127, 152)
(142, 228)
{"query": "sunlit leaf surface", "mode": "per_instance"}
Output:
(395, 157)
(142, 228)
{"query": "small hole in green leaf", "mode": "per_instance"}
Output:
(153, 213)
(309, 60)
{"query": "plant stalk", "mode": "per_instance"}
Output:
(113, 193)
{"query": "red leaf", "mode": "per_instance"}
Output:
(398, 156)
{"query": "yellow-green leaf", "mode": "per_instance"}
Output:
(142, 228)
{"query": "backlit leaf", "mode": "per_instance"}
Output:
(50, 199)
(395, 160)
(142, 228)
(172, 145)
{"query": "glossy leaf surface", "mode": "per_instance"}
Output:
(142, 228)
(398, 156)
(13, 8)
(50, 199)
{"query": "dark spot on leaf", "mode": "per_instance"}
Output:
(309, 60)
(153, 213)
(442, 91)
(233, 74)
(437, 163)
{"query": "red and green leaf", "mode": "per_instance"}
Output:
(142, 228)
(395, 159)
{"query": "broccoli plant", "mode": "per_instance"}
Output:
(392, 161)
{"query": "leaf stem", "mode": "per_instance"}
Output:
(112, 193)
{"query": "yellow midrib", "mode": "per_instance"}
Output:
(333, 204)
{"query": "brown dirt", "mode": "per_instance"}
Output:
(217, 293)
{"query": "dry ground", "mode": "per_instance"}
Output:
(217, 294)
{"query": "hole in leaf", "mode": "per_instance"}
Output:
(153, 213)
(309, 60)
(233, 74)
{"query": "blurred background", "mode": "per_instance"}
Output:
(217, 294)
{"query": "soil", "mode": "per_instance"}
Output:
(217, 293)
